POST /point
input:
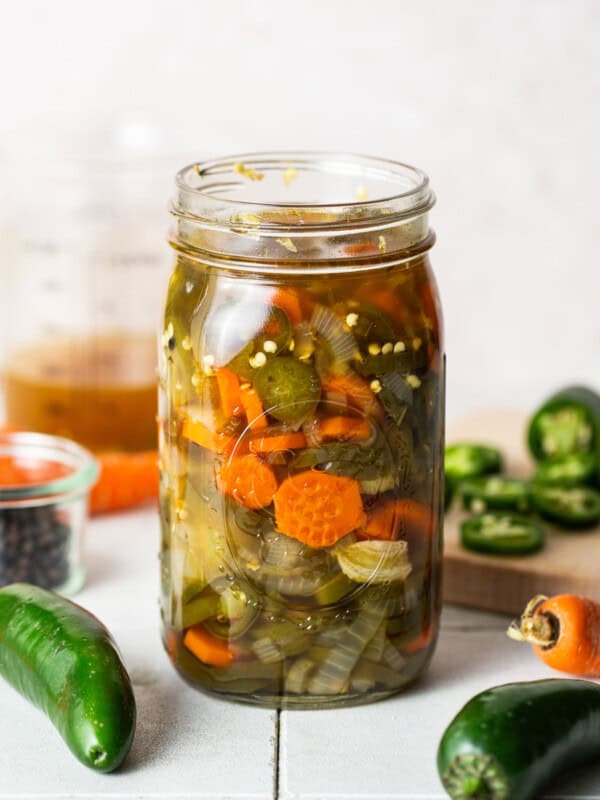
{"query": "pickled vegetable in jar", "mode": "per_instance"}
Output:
(301, 430)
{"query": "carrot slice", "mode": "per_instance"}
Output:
(276, 443)
(361, 249)
(287, 300)
(357, 392)
(423, 640)
(208, 648)
(229, 392)
(398, 519)
(126, 480)
(351, 429)
(217, 441)
(249, 481)
(255, 413)
(317, 508)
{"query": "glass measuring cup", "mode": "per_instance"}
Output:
(83, 277)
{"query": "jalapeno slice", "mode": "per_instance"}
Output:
(568, 422)
(577, 507)
(467, 460)
(289, 389)
(574, 469)
(494, 494)
(502, 534)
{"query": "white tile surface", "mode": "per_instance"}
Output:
(187, 745)
(190, 746)
(388, 750)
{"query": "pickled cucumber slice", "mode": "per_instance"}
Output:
(375, 561)
(289, 389)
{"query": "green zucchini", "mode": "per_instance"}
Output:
(64, 661)
(510, 741)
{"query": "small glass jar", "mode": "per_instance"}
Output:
(301, 430)
(44, 486)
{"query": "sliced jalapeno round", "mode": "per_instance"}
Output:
(577, 507)
(568, 422)
(471, 460)
(572, 469)
(502, 534)
(289, 389)
(494, 494)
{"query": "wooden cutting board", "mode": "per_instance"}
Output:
(569, 562)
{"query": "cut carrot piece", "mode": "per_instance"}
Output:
(250, 481)
(126, 480)
(255, 413)
(287, 300)
(423, 640)
(398, 519)
(357, 392)
(317, 508)
(208, 648)
(276, 443)
(229, 392)
(361, 249)
(217, 441)
(352, 429)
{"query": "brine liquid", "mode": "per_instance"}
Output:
(252, 609)
(99, 391)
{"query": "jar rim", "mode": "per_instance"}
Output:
(383, 190)
(42, 448)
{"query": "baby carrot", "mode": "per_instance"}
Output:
(208, 648)
(361, 249)
(564, 631)
(318, 508)
(255, 413)
(349, 429)
(229, 392)
(126, 480)
(277, 443)
(250, 481)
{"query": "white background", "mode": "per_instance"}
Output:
(497, 100)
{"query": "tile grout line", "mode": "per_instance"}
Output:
(276, 754)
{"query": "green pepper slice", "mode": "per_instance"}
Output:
(568, 422)
(493, 493)
(289, 389)
(572, 469)
(466, 460)
(502, 534)
(577, 507)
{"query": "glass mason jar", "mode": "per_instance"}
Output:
(301, 430)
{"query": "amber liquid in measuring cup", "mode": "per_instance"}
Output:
(99, 391)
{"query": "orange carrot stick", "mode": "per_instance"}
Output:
(126, 480)
(217, 441)
(208, 648)
(564, 631)
(349, 429)
(398, 519)
(357, 392)
(276, 443)
(249, 481)
(287, 300)
(255, 413)
(229, 392)
(317, 508)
